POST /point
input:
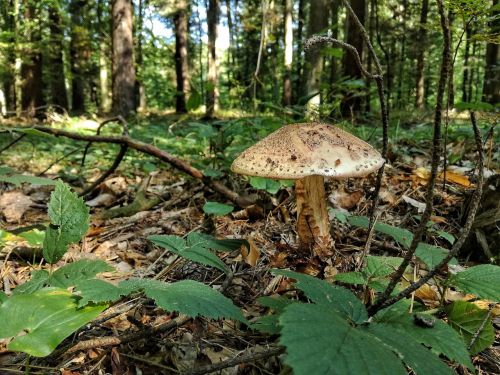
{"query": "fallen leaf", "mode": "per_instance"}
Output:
(250, 257)
(345, 199)
(13, 205)
(420, 206)
(456, 178)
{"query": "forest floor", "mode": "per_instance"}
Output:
(269, 227)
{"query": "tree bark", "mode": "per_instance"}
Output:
(140, 90)
(318, 23)
(465, 77)
(287, 83)
(212, 98)
(299, 81)
(181, 55)
(104, 63)
(79, 54)
(31, 70)
(123, 57)
(58, 92)
(491, 85)
(421, 41)
(352, 104)
(402, 57)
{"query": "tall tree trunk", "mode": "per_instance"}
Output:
(104, 63)
(299, 82)
(212, 76)
(369, 63)
(451, 78)
(352, 104)
(230, 51)
(287, 83)
(491, 85)
(466, 72)
(402, 58)
(123, 57)
(421, 44)
(31, 70)
(334, 29)
(59, 96)
(140, 90)
(79, 54)
(181, 55)
(318, 23)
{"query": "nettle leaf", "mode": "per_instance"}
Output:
(227, 244)
(3, 297)
(98, 291)
(42, 320)
(19, 179)
(442, 338)
(379, 266)
(402, 236)
(216, 208)
(335, 297)
(187, 297)
(270, 323)
(413, 354)
(483, 281)
(320, 341)
(357, 278)
(267, 184)
(430, 255)
(72, 273)
(466, 318)
(39, 279)
(196, 250)
(34, 237)
(69, 222)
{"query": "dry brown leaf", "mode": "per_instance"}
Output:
(456, 178)
(427, 293)
(13, 205)
(250, 257)
(344, 199)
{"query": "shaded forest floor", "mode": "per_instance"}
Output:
(270, 229)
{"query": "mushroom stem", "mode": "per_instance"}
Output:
(313, 226)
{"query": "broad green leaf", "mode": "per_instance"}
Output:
(216, 208)
(39, 279)
(72, 273)
(33, 132)
(42, 320)
(420, 359)
(270, 323)
(19, 179)
(482, 281)
(34, 237)
(441, 337)
(351, 278)
(447, 236)
(321, 342)
(3, 297)
(339, 214)
(187, 297)
(69, 222)
(227, 244)
(380, 266)
(402, 236)
(321, 292)
(466, 318)
(194, 101)
(197, 251)
(261, 183)
(430, 255)
(98, 291)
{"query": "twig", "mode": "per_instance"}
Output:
(12, 143)
(474, 205)
(476, 334)
(69, 153)
(436, 153)
(244, 358)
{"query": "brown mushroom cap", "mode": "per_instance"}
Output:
(301, 150)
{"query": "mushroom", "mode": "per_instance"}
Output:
(307, 153)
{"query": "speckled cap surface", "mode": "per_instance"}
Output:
(300, 150)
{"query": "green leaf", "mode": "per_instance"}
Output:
(339, 214)
(267, 184)
(270, 323)
(483, 281)
(33, 132)
(19, 179)
(447, 236)
(98, 291)
(218, 209)
(39, 279)
(466, 318)
(194, 101)
(321, 342)
(187, 297)
(69, 222)
(81, 270)
(337, 298)
(430, 255)
(196, 251)
(417, 357)
(3, 297)
(227, 244)
(402, 236)
(351, 278)
(441, 337)
(42, 320)
(379, 266)
(34, 237)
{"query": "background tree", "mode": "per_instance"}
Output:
(491, 87)
(59, 96)
(287, 83)
(181, 17)
(213, 14)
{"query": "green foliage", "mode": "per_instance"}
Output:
(218, 209)
(466, 318)
(42, 320)
(69, 222)
(18, 179)
(34, 237)
(95, 291)
(194, 101)
(482, 281)
(269, 185)
(402, 236)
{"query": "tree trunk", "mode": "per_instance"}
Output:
(352, 104)
(299, 81)
(318, 23)
(181, 56)
(79, 54)
(402, 58)
(491, 85)
(212, 76)
(230, 51)
(421, 44)
(369, 63)
(287, 84)
(59, 95)
(123, 58)
(140, 90)
(451, 77)
(465, 79)
(31, 70)
(104, 63)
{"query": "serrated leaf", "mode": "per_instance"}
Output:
(337, 298)
(276, 303)
(216, 208)
(321, 342)
(380, 266)
(441, 337)
(19, 179)
(39, 279)
(34, 237)
(98, 291)
(268, 324)
(3, 297)
(430, 255)
(42, 320)
(69, 222)
(72, 273)
(483, 281)
(351, 278)
(414, 355)
(466, 318)
(402, 236)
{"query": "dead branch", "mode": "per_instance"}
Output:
(12, 143)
